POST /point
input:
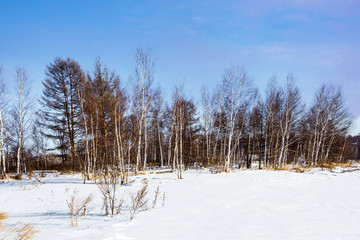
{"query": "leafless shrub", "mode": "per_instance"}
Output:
(217, 169)
(139, 202)
(97, 177)
(157, 193)
(108, 186)
(16, 232)
(38, 181)
(77, 206)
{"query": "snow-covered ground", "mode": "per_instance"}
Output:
(252, 204)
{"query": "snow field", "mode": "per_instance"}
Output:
(252, 204)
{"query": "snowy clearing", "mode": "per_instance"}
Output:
(252, 204)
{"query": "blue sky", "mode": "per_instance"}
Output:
(191, 41)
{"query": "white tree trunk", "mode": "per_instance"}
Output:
(138, 157)
(2, 152)
(146, 144)
(20, 79)
(160, 145)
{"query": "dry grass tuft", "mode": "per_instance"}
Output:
(31, 173)
(3, 217)
(22, 232)
(298, 169)
(16, 232)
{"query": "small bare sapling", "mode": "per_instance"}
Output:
(108, 186)
(77, 206)
(139, 202)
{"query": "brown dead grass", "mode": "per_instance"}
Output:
(31, 173)
(281, 168)
(304, 168)
(22, 232)
(290, 168)
(333, 165)
(161, 172)
(3, 217)
(18, 231)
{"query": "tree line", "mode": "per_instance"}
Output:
(89, 122)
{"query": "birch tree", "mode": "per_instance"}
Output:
(272, 114)
(157, 124)
(177, 126)
(327, 119)
(2, 126)
(143, 79)
(236, 91)
(21, 115)
(119, 121)
(206, 117)
(290, 117)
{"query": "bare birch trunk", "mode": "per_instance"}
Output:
(138, 157)
(87, 157)
(20, 82)
(2, 152)
(146, 144)
(181, 141)
(160, 145)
